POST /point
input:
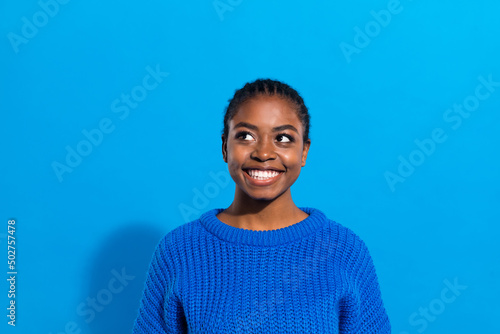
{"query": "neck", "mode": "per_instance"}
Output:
(248, 213)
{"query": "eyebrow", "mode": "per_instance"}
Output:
(275, 129)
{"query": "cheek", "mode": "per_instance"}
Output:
(292, 159)
(234, 160)
(233, 166)
(237, 153)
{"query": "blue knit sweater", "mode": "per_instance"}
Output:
(315, 276)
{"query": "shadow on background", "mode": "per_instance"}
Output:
(116, 280)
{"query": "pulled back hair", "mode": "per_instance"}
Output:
(267, 87)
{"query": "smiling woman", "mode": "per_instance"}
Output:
(262, 265)
(264, 150)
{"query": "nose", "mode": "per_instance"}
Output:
(264, 150)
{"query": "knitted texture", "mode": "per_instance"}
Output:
(315, 276)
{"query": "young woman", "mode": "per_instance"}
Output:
(262, 265)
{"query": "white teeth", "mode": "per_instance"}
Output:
(262, 175)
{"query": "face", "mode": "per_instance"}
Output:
(265, 150)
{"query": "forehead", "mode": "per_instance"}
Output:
(267, 111)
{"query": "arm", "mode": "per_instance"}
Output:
(160, 310)
(363, 311)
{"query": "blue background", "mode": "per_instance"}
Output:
(64, 66)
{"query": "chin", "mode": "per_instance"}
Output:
(262, 196)
(264, 199)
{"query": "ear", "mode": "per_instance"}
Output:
(305, 150)
(224, 149)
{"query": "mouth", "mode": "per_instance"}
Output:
(262, 175)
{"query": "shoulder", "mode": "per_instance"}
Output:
(344, 242)
(173, 246)
(182, 236)
(342, 232)
(178, 235)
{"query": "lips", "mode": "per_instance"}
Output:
(262, 176)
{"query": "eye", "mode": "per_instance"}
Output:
(284, 138)
(244, 135)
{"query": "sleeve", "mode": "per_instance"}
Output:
(363, 310)
(160, 309)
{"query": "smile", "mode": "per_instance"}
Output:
(262, 178)
(262, 174)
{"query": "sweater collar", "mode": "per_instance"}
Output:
(313, 222)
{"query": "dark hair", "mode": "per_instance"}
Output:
(270, 88)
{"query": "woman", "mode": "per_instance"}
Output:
(263, 265)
